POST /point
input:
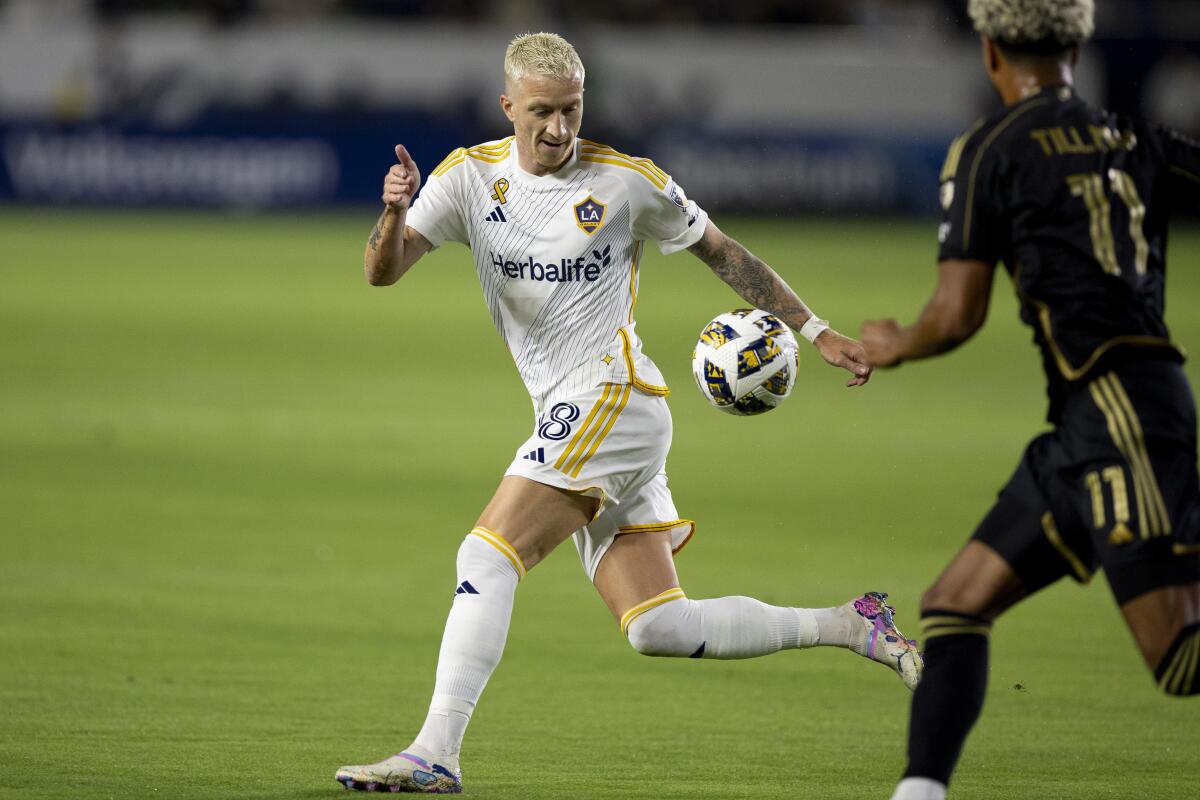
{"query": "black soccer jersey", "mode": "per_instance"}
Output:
(1074, 200)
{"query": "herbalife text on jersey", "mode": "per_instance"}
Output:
(565, 271)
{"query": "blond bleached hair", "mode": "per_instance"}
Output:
(541, 54)
(1036, 26)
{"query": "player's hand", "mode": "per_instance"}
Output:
(882, 339)
(842, 351)
(402, 181)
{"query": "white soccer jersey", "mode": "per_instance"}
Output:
(557, 255)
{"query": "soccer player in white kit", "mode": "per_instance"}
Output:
(557, 225)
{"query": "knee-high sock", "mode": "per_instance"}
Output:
(950, 696)
(1179, 671)
(728, 627)
(473, 641)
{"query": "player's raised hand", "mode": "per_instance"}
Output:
(402, 181)
(881, 338)
(842, 351)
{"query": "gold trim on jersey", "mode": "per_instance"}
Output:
(641, 608)
(644, 162)
(502, 144)
(1126, 432)
(633, 271)
(500, 543)
(1060, 360)
(954, 153)
(628, 165)
(456, 153)
(491, 154)
(603, 154)
(1184, 173)
(627, 351)
(450, 163)
(1082, 573)
(991, 137)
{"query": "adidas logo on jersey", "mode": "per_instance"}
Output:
(538, 455)
(497, 215)
(466, 588)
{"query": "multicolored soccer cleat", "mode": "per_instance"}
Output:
(403, 772)
(875, 636)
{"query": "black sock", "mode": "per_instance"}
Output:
(1179, 671)
(950, 696)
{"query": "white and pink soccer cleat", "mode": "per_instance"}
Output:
(874, 635)
(403, 772)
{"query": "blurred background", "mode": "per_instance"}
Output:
(759, 105)
(233, 477)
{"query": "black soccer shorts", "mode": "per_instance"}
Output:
(1114, 485)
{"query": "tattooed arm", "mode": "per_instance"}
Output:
(761, 287)
(393, 247)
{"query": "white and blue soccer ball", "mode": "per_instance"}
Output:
(745, 361)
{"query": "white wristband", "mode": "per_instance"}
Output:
(813, 328)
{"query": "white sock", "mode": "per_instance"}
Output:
(488, 572)
(837, 629)
(726, 627)
(919, 789)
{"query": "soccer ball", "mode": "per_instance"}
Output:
(745, 362)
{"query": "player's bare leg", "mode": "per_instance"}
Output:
(637, 580)
(535, 518)
(636, 567)
(956, 614)
(523, 522)
(1166, 625)
(978, 582)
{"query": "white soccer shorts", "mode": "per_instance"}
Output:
(609, 442)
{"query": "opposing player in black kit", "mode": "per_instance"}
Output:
(1074, 202)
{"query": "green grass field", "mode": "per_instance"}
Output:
(233, 478)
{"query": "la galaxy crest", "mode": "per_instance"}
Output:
(589, 214)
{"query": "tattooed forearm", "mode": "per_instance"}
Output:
(752, 279)
(376, 235)
(385, 251)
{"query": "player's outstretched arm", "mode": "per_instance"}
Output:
(393, 247)
(957, 309)
(761, 287)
